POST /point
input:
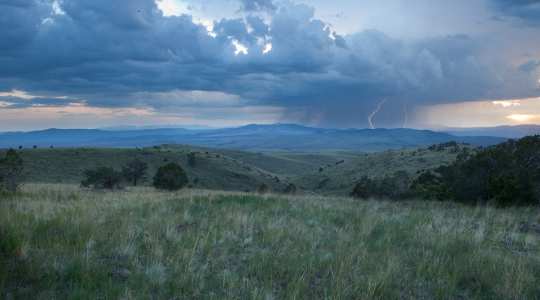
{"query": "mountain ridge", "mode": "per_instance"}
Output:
(254, 137)
(506, 131)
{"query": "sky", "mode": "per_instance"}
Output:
(220, 63)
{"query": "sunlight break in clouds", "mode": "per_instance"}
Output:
(267, 48)
(19, 99)
(27, 96)
(524, 119)
(72, 115)
(240, 49)
(18, 94)
(481, 113)
(80, 115)
(507, 103)
(171, 7)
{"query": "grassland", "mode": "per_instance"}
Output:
(58, 241)
(337, 179)
(212, 170)
(327, 173)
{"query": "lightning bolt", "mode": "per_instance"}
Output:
(375, 112)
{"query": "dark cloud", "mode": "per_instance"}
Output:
(122, 54)
(19, 21)
(526, 10)
(530, 66)
(375, 67)
(258, 5)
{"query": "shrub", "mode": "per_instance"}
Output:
(290, 189)
(192, 159)
(12, 267)
(428, 186)
(11, 171)
(452, 146)
(170, 177)
(363, 188)
(396, 186)
(506, 174)
(135, 171)
(263, 188)
(102, 178)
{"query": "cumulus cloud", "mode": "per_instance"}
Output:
(132, 55)
(258, 5)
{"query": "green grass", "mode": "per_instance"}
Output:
(57, 241)
(232, 170)
(213, 169)
(339, 179)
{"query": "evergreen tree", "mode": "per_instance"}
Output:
(135, 171)
(170, 177)
(11, 171)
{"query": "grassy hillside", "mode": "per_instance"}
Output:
(290, 164)
(62, 242)
(328, 173)
(339, 178)
(212, 170)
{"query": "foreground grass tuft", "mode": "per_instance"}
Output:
(62, 242)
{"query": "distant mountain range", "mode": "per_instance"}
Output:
(511, 132)
(277, 137)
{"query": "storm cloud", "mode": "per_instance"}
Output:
(257, 5)
(128, 54)
(528, 11)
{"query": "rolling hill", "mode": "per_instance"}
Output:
(340, 177)
(511, 132)
(212, 169)
(277, 137)
(326, 173)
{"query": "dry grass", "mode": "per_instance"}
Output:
(57, 241)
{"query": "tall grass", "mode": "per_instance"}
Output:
(62, 242)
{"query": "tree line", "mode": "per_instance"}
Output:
(11, 172)
(507, 174)
(169, 177)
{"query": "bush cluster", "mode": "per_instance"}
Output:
(102, 178)
(168, 177)
(11, 171)
(507, 174)
(396, 186)
(135, 171)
